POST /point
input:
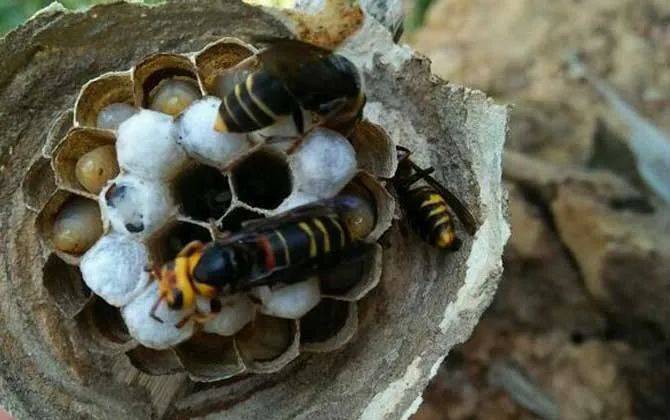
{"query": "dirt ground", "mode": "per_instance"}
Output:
(580, 326)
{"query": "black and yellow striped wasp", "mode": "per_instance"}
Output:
(428, 207)
(282, 248)
(293, 75)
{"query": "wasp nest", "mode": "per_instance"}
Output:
(142, 173)
(135, 171)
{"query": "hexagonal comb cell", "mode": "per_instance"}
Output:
(368, 187)
(170, 241)
(375, 151)
(210, 357)
(107, 321)
(154, 362)
(70, 225)
(233, 220)
(65, 285)
(328, 326)
(39, 184)
(85, 160)
(268, 343)
(203, 193)
(167, 83)
(57, 131)
(216, 58)
(263, 179)
(100, 97)
(352, 280)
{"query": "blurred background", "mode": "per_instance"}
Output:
(580, 326)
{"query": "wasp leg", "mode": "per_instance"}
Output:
(184, 320)
(419, 174)
(152, 314)
(196, 316)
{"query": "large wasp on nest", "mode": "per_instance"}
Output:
(282, 248)
(292, 76)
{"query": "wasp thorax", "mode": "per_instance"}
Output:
(173, 96)
(111, 116)
(96, 167)
(77, 226)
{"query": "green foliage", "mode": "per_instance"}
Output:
(417, 14)
(14, 12)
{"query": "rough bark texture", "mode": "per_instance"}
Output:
(426, 301)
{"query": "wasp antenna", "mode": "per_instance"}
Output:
(155, 307)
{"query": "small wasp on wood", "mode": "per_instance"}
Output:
(293, 76)
(282, 248)
(427, 207)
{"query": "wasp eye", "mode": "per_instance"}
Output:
(177, 301)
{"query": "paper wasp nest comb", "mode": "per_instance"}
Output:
(126, 169)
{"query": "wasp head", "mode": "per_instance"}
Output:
(175, 280)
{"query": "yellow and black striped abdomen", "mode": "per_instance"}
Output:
(317, 238)
(255, 103)
(429, 215)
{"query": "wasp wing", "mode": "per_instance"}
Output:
(464, 215)
(316, 77)
(328, 271)
(318, 209)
